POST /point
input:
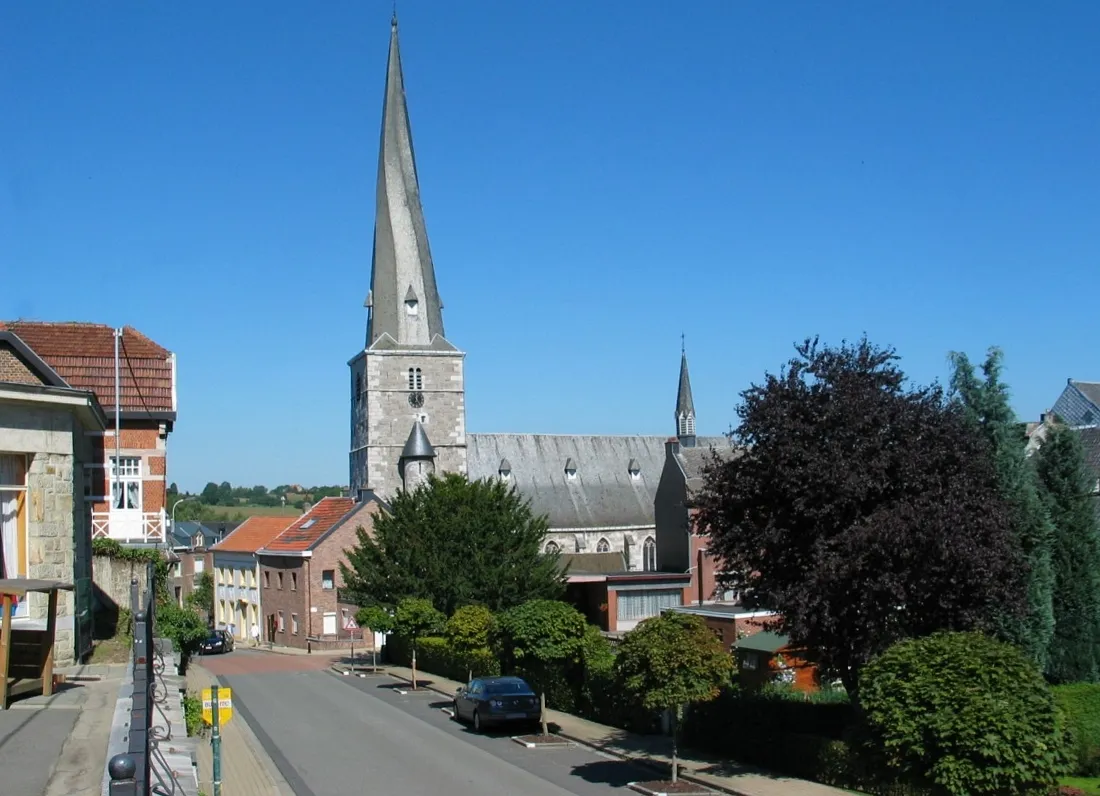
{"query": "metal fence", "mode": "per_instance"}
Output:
(141, 770)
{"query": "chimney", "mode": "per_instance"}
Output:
(306, 506)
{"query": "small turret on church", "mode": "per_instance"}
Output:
(685, 406)
(407, 372)
(417, 458)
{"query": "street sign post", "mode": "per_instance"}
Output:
(217, 709)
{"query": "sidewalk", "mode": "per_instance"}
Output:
(247, 770)
(723, 775)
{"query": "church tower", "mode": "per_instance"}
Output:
(685, 406)
(408, 373)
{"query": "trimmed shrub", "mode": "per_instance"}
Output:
(1080, 703)
(963, 713)
(435, 656)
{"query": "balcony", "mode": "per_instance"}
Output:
(130, 527)
(238, 594)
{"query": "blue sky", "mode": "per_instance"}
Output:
(597, 179)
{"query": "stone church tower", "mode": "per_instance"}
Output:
(408, 374)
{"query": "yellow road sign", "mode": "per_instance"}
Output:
(225, 705)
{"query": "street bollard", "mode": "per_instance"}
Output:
(122, 769)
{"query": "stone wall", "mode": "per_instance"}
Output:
(112, 579)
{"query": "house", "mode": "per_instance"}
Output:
(730, 622)
(191, 546)
(768, 657)
(614, 598)
(681, 543)
(50, 435)
(1079, 404)
(300, 573)
(124, 478)
(237, 598)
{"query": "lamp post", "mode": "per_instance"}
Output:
(176, 506)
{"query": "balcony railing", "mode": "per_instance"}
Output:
(238, 593)
(129, 526)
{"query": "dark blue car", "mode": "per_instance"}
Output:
(493, 701)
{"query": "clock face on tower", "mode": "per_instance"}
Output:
(416, 399)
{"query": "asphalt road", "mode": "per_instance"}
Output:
(333, 735)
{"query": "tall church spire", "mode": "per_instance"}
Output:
(403, 301)
(685, 406)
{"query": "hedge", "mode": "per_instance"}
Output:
(1080, 703)
(435, 656)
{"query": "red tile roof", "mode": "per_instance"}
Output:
(308, 529)
(83, 354)
(252, 534)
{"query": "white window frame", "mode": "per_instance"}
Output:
(200, 565)
(639, 604)
(126, 475)
(14, 489)
(416, 379)
(649, 554)
(294, 624)
(280, 622)
(328, 584)
(603, 546)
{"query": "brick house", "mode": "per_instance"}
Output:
(128, 501)
(237, 598)
(614, 598)
(682, 546)
(300, 572)
(191, 545)
(48, 436)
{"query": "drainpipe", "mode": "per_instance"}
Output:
(699, 573)
(118, 415)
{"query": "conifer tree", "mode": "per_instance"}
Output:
(1066, 487)
(986, 402)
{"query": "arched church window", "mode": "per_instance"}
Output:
(416, 381)
(552, 548)
(649, 554)
(603, 546)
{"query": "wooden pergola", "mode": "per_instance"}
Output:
(26, 655)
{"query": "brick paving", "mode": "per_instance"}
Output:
(247, 770)
(723, 775)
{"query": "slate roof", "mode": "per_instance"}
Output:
(1079, 403)
(417, 446)
(684, 403)
(212, 532)
(83, 354)
(308, 529)
(253, 533)
(1089, 389)
(602, 494)
(1090, 442)
(402, 260)
(694, 461)
(592, 563)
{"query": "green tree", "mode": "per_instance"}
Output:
(544, 640)
(202, 596)
(414, 619)
(209, 494)
(454, 542)
(670, 661)
(964, 713)
(225, 494)
(173, 489)
(862, 508)
(1066, 487)
(468, 632)
(375, 618)
(986, 400)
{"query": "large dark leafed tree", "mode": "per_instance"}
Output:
(986, 402)
(1067, 492)
(864, 510)
(454, 542)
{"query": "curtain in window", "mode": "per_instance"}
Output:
(646, 603)
(11, 474)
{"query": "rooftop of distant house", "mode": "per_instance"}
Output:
(253, 534)
(307, 530)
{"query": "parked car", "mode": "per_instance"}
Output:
(219, 641)
(492, 701)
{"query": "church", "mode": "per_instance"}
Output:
(408, 410)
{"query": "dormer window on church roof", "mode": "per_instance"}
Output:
(570, 469)
(411, 303)
(634, 469)
(505, 470)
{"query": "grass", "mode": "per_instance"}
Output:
(255, 511)
(1090, 785)
(112, 650)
